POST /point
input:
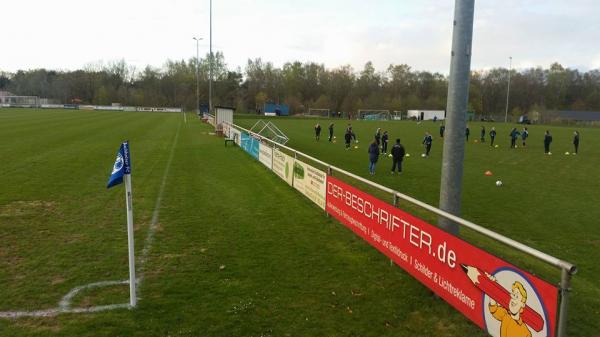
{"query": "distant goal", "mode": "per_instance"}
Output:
(319, 113)
(374, 115)
(19, 101)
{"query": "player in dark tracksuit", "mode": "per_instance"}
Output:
(384, 142)
(524, 136)
(348, 137)
(442, 129)
(467, 133)
(427, 142)
(378, 137)
(317, 131)
(514, 134)
(330, 131)
(547, 142)
(398, 153)
(373, 156)
(576, 141)
(482, 134)
(352, 134)
(492, 136)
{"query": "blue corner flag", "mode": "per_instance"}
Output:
(122, 166)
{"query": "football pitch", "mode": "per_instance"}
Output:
(226, 248)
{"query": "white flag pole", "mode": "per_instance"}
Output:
(129, 202)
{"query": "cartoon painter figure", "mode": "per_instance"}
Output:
(511, 324)
(507, 307)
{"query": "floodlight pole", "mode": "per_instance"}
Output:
(508, 89)
(197, 74)
(458, 96)
(210, 64)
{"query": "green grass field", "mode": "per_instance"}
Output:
(237, 252)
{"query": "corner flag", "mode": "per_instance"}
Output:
(121, 167)
(121, 172)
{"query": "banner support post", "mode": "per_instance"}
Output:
(395, 203)
(329, 173)
(565, 288)
(130, 242)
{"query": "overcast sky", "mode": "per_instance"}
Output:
(68, 34)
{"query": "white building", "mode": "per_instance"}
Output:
(424, 115)
(223, 114)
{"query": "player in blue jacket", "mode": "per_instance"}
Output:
(373, 156)
(514, 134)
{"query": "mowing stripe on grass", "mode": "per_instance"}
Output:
(64, 306)
(154, 222)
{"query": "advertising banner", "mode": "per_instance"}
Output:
(310, 181)
(500, 298)
(283, 166)
(226, 131)
(249, 144)
(265, 154)
(236, 135)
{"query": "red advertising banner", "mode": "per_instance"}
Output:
(499, 297)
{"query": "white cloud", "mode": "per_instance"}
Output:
(67, 34)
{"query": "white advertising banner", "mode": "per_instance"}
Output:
(265, 155)
(311, 182)
(235, 134)
(226, 130)
(283, 166)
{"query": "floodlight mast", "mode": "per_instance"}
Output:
(210, 63)
(508, 89)
(458, 96)
(198, 39)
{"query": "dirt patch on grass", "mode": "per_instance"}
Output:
(27, 208)
(416, 318)
(10, 263)
(37, 325)
(172, 256)
(445, 328)
(57, 280)
(594, 243)
(101, 296)
(75, 238)
(139, 225)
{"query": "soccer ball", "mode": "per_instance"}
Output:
(567, 153)
(549, 153)
(423, 155)
(356, 141)
(356, 147)
(497, 146)
(390, 155)
(407, 155)
(499, 183)
(334, 137)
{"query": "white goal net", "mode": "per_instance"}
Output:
(319, 112)
(19, 101)
(374, 115)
